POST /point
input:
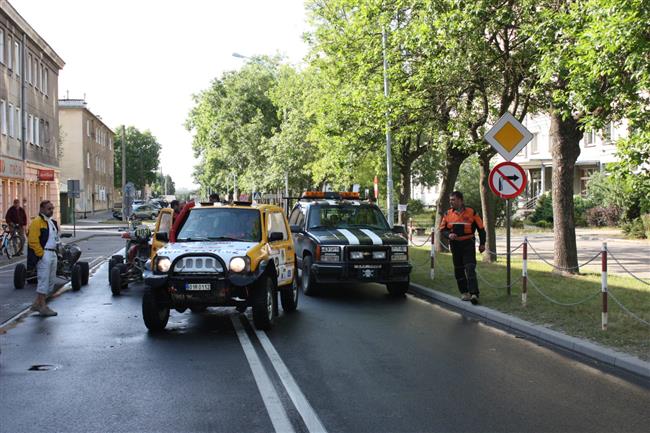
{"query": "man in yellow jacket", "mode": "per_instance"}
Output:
(41, 253)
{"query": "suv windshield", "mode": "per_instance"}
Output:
(221, 224)
(345, 216)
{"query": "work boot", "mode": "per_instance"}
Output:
(474, 299)
(47, 311)
(465, 296)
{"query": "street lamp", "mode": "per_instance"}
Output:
(389, 159)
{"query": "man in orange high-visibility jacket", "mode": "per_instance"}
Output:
(458, 225)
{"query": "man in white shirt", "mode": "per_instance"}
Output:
(43, 237)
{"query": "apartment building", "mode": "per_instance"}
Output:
(29, 125)
(87, 155)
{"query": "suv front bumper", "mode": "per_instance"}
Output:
(383, 273)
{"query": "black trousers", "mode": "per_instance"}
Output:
(463, 254)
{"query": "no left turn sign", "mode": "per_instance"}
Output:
(507, 180)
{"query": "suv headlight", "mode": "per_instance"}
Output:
(356, 255)
(330, 253)
(379, 255)
(163, 264)
(239, 264)
(399, 249)
(399, 253)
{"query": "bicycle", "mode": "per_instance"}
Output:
(11, 243)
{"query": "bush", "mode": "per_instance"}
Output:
(415, 207)
(544, 224)
(634, 229)
(517, 223)
(601, 216)
(646, 224)
(543, 209)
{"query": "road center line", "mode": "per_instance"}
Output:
(309, 416)
(274, 407)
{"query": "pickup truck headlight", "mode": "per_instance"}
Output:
(163, 264)
(399, 253)
(399, 249)
(239, 264)
(379, 255)
(356, 255)
(330, 253)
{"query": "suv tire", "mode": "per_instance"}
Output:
(154, 314)
(307, 281)
(289, 296)
(398, 289)
(264, 307)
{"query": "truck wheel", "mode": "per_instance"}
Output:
(155, 315)
(398, 289)
(75, 277)
(309, 286)
(289, 296)
(116, 279)
(19, 276)
(85, 272)
(264, 303)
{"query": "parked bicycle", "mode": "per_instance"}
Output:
(12, 243)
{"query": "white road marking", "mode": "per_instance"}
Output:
(352, 239)
(272, 402)
(376, 240)
(309, 416)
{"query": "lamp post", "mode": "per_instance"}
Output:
(389, 159)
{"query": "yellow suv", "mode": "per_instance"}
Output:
(237, 255)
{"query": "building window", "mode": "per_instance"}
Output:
(11, 120)
(10, 54)
(37, 131)
(88, 160)
(590, 138)
(40, 78)
(35, 73)
(45, 80)
(18, 62)
(29, 68)
(585, 175)
(533, 144)
(19, 124)
(607, 133)
(30, 129)
(3, 117)
(87, 128)
(2, 46)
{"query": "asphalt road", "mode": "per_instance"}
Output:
(353, 360)
(93, 250)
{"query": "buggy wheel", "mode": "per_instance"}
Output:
(75, 277)
(289, 296)
(264, 300)
(16, 244)
(111, 265)
(85, 272)
(19, 276)
(154, 314)
(116, 279)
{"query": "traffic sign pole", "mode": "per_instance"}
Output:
(508, 245)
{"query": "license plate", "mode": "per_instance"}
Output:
(197, 286)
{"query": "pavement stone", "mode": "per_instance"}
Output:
(602, 354)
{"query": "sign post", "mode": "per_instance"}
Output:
(507, 180)
(74, 190)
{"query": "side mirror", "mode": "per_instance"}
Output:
(400, 230)
(66, 235)
(276, 236)
(296, 229)
(162, 237)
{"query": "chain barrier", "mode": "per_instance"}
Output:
(564, 304)
(419, 246)
(560, 267)
(504, 254)
(625, 269)
(494, 286)
(625, 309)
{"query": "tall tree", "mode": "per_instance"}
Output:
(142, 157)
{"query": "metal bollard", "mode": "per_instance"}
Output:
(603, 283)
(433, 252)
(524, 273)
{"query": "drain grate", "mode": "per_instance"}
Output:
(43, 367)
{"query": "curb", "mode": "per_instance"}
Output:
(591, 350)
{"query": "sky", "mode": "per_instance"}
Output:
(138, 62)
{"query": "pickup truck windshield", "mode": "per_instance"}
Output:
(221, 224)
(347, 216)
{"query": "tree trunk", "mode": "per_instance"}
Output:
(405, 189)
(489, 208)
(453, 159)
(565, 149)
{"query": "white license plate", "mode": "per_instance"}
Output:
(197, 286)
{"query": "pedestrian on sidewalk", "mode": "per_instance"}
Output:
(41, 253)
(16, 219)
(458, 225)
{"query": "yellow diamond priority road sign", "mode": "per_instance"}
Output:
(508, 136)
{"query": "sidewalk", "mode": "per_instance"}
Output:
(591, 350)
